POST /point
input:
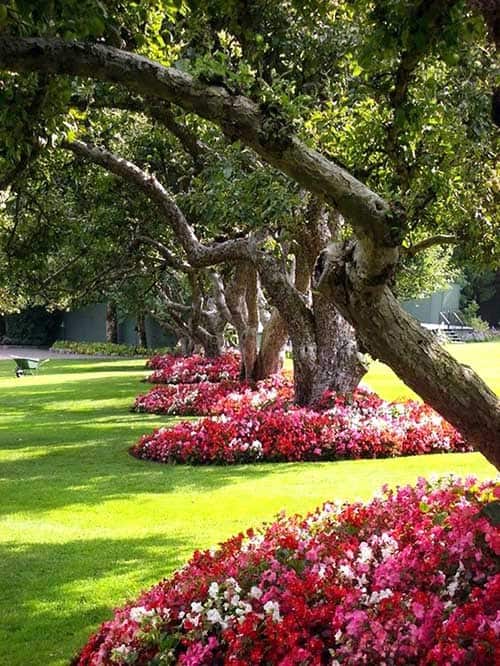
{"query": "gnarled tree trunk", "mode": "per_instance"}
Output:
(325, 349)
(111, 323)
(390, 334)
(241, 296)
(269, 360)
(325, 356)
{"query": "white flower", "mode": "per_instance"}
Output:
(233, 583)
(256, 592)
(196, 607)
(346, 571)
(377, 596)
(454, 584)
(120, 653)
(213, 590)
(213, 616)
(273, 608)
(452, 588)
(139, 614)
(365, 553)
(244, 608)
(194, 619)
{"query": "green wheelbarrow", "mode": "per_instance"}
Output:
(28, 366)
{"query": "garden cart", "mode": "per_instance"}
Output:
(28, 366)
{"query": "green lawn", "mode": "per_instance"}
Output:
(84, 526)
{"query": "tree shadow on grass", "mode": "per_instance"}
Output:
(97, 388)
(82, 474)
(55, 594)
(67, 444)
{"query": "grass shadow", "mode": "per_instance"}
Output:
(62, 573)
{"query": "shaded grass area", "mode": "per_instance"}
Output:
(83, 526)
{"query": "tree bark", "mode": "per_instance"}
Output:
(324, 345)
(111, 323)
(249, 346)
(339, 367)
(241, 296)
(141, 330)
(325, 356)
(186, 345)
(269, 360)
(393, 336)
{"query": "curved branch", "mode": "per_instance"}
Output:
(159, 111)
(170, 259)
(239, 117)
(439, 239)
(199, 255)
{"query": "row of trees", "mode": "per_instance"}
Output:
(233, 162)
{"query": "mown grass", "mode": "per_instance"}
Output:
(83, 526)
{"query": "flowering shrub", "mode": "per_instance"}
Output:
(211, 398)
(362, 426)
(102, 348)
(410, 578)
(170, 369)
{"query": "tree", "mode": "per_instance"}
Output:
(355, 273)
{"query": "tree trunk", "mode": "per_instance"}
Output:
(269, 360)
(186, 345)
(453, 389)
(248, 343)
(326, 356)
(212, 346)
(339, 366)
(111, 323)
(141, 330)
(241, 297)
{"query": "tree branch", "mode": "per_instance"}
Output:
(239, 117)
(170, 259)
(439, 239)
(199, 255)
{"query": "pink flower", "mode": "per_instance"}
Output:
(280, 595)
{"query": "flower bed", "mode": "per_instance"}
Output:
(170, 369)
(212, 398)
(410, 578)
(362, 426)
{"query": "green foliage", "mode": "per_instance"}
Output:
(117, 22)
(426, 272)
(470, 315)
(34, 326)
(106, 349)
(232, 196)
(326, 70)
